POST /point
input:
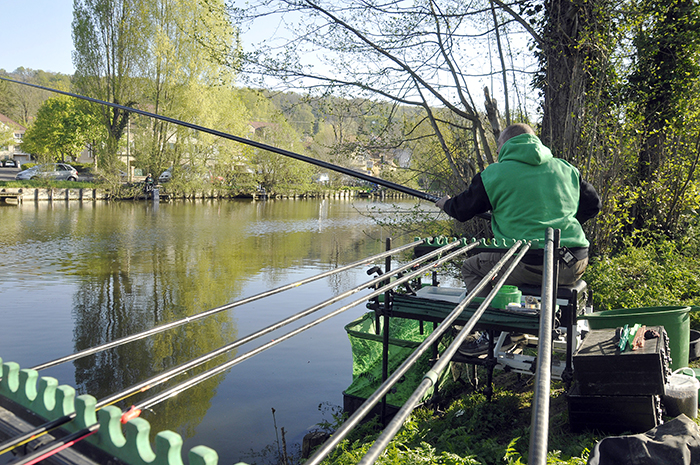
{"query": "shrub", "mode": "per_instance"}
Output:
(656, 274)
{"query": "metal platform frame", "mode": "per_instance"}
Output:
(572, 301)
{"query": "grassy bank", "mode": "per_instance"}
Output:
(470, 430)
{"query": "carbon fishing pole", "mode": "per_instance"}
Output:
(347, 426)
(165, 376)
(164, 327)
(260, 145)
(173, 391)
(136, 409)
(57, 446)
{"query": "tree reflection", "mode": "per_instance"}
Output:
(141, 268)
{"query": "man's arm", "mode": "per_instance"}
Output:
(589, 204)
(469, 203)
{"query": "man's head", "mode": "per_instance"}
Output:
(512, 131)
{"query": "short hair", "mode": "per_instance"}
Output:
(512, 131)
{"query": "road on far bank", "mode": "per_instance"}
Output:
(8, 174)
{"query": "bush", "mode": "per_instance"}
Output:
(657, 274)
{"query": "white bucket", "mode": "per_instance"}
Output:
(681, 394)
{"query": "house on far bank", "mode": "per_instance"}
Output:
(12, 150)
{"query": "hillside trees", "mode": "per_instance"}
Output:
(21, 103)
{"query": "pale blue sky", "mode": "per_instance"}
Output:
(36, 34)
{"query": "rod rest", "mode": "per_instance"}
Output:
(131, 445)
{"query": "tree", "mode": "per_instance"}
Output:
(108, 36)
(192, 62)
(664, 87)
(61, 130)
(7, 136)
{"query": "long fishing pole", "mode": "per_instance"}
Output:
(173, 391)
(163, 377)
(260, 145)
(166, 326)
(214, 371)
(57, 446)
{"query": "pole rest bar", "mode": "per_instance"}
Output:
(130, 444)
(484, 243)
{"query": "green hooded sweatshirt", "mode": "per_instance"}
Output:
(530, 191)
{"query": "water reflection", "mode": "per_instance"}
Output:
(127, 267)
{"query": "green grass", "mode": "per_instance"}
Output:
(470, 430)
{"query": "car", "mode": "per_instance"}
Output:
(56, 171)
(10, 163)
(189, 174)
(166, 175)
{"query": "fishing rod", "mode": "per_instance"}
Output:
(165, 376)
(135, 410)
(260, 145)
(57, 446)
(177, 389)
(350, 423)
(174, 324)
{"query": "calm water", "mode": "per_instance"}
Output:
(75, 275)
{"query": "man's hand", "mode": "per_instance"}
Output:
(441, 203)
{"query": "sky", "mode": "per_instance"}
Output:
(36, 34)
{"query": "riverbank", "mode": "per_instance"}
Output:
(55, 194)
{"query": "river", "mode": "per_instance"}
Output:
(75, 275)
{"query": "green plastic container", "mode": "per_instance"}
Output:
(675, 320)
(506, 295)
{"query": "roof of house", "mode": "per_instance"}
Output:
(10, 123)
(260, 124)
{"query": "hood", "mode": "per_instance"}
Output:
(525, 148)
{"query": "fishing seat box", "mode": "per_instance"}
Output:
(618, 392)
(601, 370)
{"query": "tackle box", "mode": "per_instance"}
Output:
(600, 369)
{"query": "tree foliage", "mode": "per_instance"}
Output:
(61, 131)
(191, 50)
(663, 87)
(109, 41)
